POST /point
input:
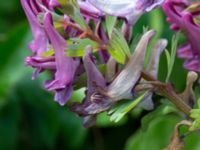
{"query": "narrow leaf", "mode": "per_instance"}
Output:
(110, 23)
(118, 112)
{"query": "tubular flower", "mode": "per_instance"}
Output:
(65, 66)
(81, 49)
(183, 15)
(40, 41)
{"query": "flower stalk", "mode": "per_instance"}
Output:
(166, 90)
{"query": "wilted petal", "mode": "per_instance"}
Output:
(111, 69)
(94, 102)
(153, 62)
(121, 87)
(188, 95)
(65, 66)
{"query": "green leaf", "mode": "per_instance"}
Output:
(119, 48)
(117, 55)
(110, 23)
(167, 54)
(171, 57)
(71, 8)
(123, 44)
(156, 137)
(76, 47)
(195, 113)
(118, 112)
(163, 110)
(48, 53)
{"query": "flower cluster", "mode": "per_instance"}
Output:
(71, 42)
(184, 15)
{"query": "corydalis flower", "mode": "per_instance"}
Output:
(129, 9)
(100, 96)
(32, 9)
(183, 15)
(65, 66)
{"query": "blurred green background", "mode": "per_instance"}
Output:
(31, 120)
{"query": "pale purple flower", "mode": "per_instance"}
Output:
(88, 10)
(100, 96)
(129, 9)
(182, 18)
(40, 41)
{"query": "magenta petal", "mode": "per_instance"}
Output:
(185, 52)
(181, 18)
(193, 64)
(193, 32)
(65, 66)
(44, 63)
(95, 78)
(39, 44)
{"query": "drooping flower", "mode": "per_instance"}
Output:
(129, 9)
(183, 15)
(100, 96)
(65, 66)
(32, 9)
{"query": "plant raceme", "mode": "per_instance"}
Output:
(85, 44)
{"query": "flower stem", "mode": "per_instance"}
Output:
(168, 91)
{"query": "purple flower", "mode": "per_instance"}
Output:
(65, 66)
(41, 64)
(182, 15)
(40, 41)
(88, 10)
(129, 9)
(100, 96)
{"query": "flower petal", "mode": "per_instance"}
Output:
(130, 9)
(65, 66)
(121, 87)
(40, 42)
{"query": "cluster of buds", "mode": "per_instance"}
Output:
(184, 15)
(71, 42)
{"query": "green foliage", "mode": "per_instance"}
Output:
(171, 56)
(195, 114)
(76, 47)
(110, 23)
(119, 111)
(71, 8)
(156, 137)
(119, 48)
